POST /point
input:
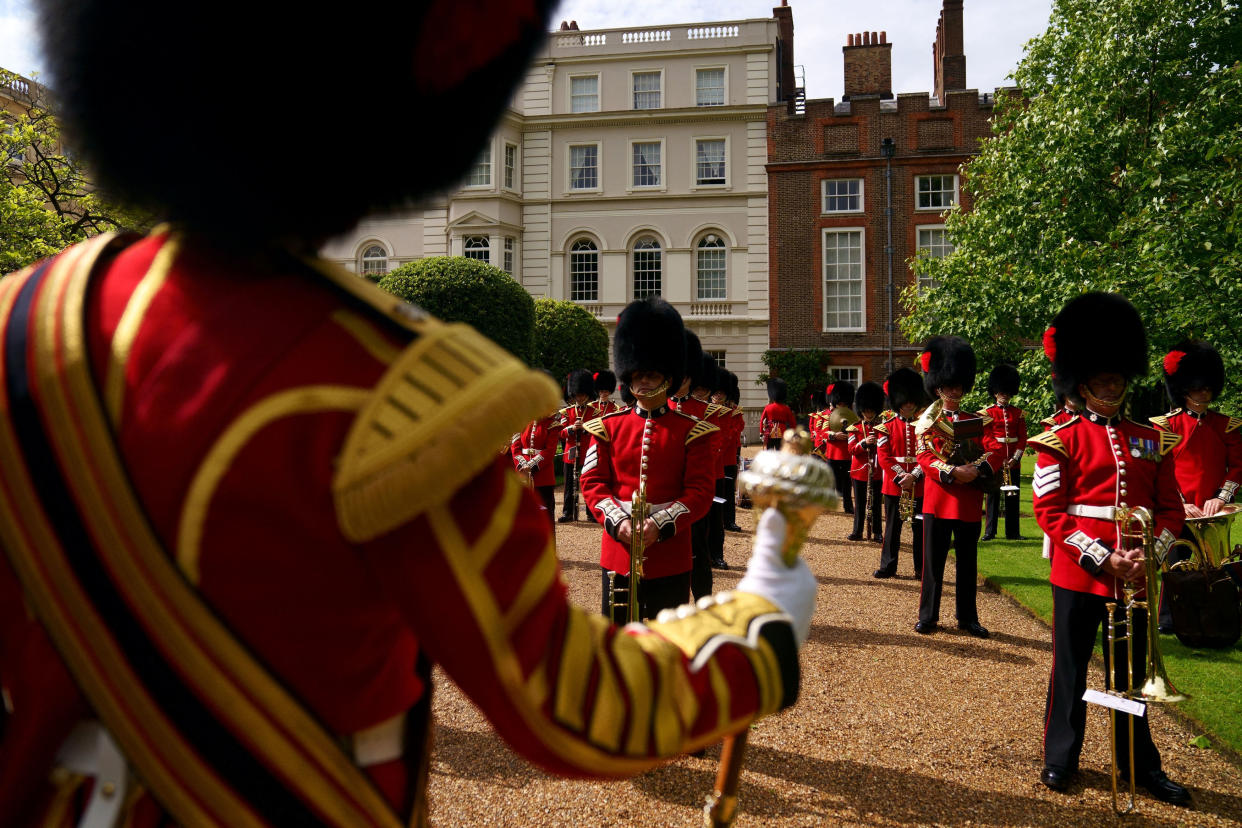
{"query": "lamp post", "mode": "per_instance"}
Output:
(888, 147)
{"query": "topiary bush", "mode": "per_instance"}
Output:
(567, 336)
(457, 289)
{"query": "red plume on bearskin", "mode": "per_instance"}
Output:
(1172, 360)
(1050, 344)
(925, 361)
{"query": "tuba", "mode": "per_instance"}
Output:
(1202, 598)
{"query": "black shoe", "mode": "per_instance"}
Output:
(720, 564)
(1164, 788)
(925, 627)
(568, 519)
(733, 528)
(882, 573)
(984, 538)
(1055, 779)
(843, 511)
(976, 629)
(850, 536)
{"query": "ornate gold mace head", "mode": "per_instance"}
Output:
(793, 481)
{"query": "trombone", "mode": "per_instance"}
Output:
(1156, 688)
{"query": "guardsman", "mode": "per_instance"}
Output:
(719, 414)
(903, 479)
(1209, 457)
(669, 452)
(865, 476)
(605, 385)
(954, 463)
(816, 421)
(710, 528)
(1005, 437)
(1086, 469)
(776, 416)
(733, 452)
(835, 439)
(580, 390)
(247, 499)
(534, 451)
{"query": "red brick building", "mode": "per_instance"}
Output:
(828, 198)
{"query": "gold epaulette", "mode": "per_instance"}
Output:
(711, 410)
(882, 427)
(1233, 424)
(596, 428)
(987, 421)
(1168, 441)
(1048, 422)
(1049, 440)
(1161, 421)
(418, 439)
(700, 428)
(738, 411)
(852, 427)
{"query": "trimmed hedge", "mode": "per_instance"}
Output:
(567, 336)
(457, 289)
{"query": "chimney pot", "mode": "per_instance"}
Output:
(849, 40)
(884, 37)
(573, 24)
(875, 39)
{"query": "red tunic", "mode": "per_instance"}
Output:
(897, 447)
(599, 409)
(1208, 460)
(776, 417)
(1099, 464)
(861, 456)
(572, 434)
(680, 482)
(1006, 435)
(537, 442)
(714, 414)
(943, 496)
(1062, 416)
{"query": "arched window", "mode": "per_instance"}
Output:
(583, 271)
(374, 261)
(648, 268)
(477, 247)
(709, 268)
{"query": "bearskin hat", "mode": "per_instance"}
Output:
(819, 400)
(167, 155)
(948, 360)
(605, 381)
(650, 337)
(703, 375)
(778, 390)
(626, 396)
(906, 386)
(733, 391)
(1192, 364)
(870, 397)
(579, 381)
(1004, 379)
(1093, 334)
(840, 393)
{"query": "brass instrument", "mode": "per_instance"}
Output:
(905, 505)
(1199, 593)
(800, 486)
(639, 512)
(841, 418)
(1210, 548)
(1157, 688)
(1007, 485)
(869, 511)
(957, 444)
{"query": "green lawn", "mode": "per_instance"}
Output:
(1212, 678)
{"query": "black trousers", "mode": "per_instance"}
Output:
(772, 443)
(569, 505)
(715, 523)
(1011, 513)
(938, 535)
(1076, 619)
(841, 475)
(730, 496)
(892, 536)
(547, 495)
(701, 562)
(654, 594)
(860, 512)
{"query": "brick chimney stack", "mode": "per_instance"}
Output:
(786, 84)
(868, 65)
(948, 53)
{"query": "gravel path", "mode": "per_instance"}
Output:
(892, 728)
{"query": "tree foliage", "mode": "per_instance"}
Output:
(567, 337)
(1118, 168)
(457, 289)
(802, 371)
(47, 200)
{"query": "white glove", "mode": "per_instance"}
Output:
(792, 588)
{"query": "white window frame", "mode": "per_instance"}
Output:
(634, 262)
(920, 285)
(569, 94)
(956, 184)
(694, 84)
(720, 357)
(480, 163)
(823, 277)
(663, 185)
(569, 267)
(846, 373)
(694, 264)
(363, 259)
(694, 163)
(509, 174)
(569, 168)
(508, 254)
(823, 196)
(465, 249)
(659, 91)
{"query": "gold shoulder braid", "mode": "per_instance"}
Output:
(1050, 440)
(700, 428)
(596, 428)
(418, 440)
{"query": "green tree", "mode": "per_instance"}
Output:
(1118, 168)
(568, 336)
(457, 289)
(802, 371)
(47, 199)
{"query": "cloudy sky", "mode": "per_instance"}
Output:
(995, 31)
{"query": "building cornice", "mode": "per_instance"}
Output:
(653, 55)
(646, 117)
(866, 160)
